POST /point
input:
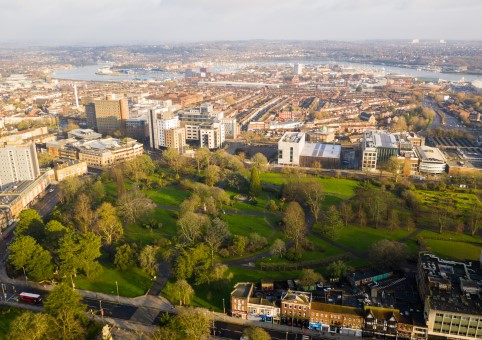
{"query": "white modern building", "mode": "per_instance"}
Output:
(431, 160)
(290, 147)
(159, 121)
(18, 163)
(211, 136)
(298, 69)
(231, 127)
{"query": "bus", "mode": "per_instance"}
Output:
(29, 298)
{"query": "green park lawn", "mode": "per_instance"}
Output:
(246, 225)
(7, 314)
(453, 245)
(138, 233)
(460, 202)
(170, 195)
(360, 239)
(132, 282)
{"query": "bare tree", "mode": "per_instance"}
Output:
(294, 223)
(314, 196)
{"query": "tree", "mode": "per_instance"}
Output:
(388, 254)
(54, 231)
(189, 226)
(337, 269)
(83, 213)
(174, 160)
(359, 88)
(63, 303)
(393, 220)
(29, 221)
(256, 333)
(278, 248)
(148, 259)
(124, 256)
(255, 183)
(108, 224)
(79, 252)
(294, 223)
(69, 189)
(26, 253)
(212, 175)
(346, 212)
(260, 162)
(182, 292)
(332, 223)
(193, 323)
(134, 206)
(239, 244)
(30, 325)
(216, 233)
(309, 277)
(201, 157)
(314, 195)
(474, 218)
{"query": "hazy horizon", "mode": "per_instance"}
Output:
(129, 22)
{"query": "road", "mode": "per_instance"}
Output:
(47, 203)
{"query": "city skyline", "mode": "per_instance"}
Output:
(128, 22)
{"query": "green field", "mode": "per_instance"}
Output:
(460, 202)
(360, 239)
(452, 245)
(7, 314)
(132, 282)
(245, 225)
(170, 195)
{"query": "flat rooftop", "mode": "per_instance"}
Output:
(321, 150)
(293, 137)
(242, 290)
(429, 154)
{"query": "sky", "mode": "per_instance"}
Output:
(96, 22)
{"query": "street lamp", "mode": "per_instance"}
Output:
(224, 307)
(117, 286)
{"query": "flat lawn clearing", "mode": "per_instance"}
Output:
(453, 245)
(456, 250)
(360, 239)
(449, 236)
(170, 195)
(459, 202)
(245, 225)
(132, 282)
(341, 187)
(134, 232)
(7, 315)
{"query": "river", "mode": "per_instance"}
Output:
(88, 73)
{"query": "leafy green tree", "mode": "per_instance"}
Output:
(124, 257)
(346, 212)
(29, 223)
(309, 277)
(337, 269)
(148, 259)
(393, 220)
(193, 323)
(26, 253)
(108, 224)
(212, 175)
(239, 244)
(260, 162)
(255, 183)
(174, 160)
(182, 292)
(332, 223)
(294, 223)
(79, 252)
(256, 333)
(201, 157)
(63, 303)
(30, 325)
(278, 248)
(54, 231)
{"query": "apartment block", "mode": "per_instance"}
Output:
(19, 163)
